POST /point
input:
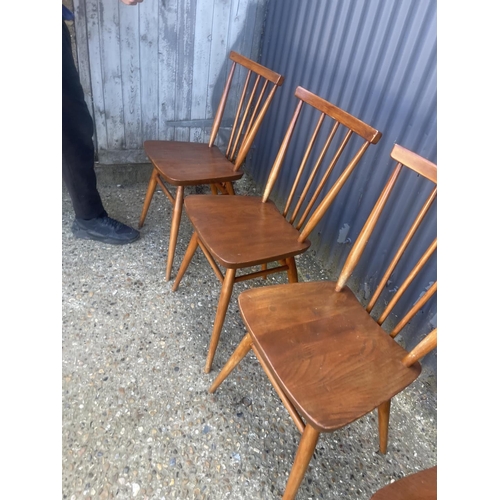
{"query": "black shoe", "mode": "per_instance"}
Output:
(104, 229)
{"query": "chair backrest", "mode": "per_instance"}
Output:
(404, 158)
(308, 189)
(260, 85)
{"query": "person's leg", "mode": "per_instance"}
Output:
(91, 219)
(77, 146)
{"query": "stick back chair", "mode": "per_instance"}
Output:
(328, 358)
(421, 485)
(240, 232)
(184, 164)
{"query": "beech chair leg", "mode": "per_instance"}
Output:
(174, 230)
(230, 188)
(302, 458)
(240, 352)
(153, 181)
(263, 267)
(225, 296)
(191, 249)
(293, 277)
(383, 425)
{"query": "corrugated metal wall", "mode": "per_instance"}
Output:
(156, 70)
(377, 60)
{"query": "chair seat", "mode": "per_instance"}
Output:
(189, 164)
(334, 362)
(242, 231)
(418, 486)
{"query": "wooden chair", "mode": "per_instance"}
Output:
(419, 486)
(328, 359)
(244, 231)
(184, 164)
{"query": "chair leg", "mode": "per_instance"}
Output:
(230, 188)
(383, 425)
(304, 453)
(225, 296)
(293, 277)
(191, 249)
(240, 352)
(174, 230)
(153, 181)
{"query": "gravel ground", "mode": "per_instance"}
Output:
(138, 421)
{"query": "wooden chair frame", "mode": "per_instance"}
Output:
(297, 228)
(184, 164)
(268, 327)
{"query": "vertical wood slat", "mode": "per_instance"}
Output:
(82, 51)
(222, 106)
(218, 51)
(362, 239)
(321, 185)
(318, 163)
(281, 153)
(416, 307)
(111, 71)
(407, 281)
(257, 106)
(131, 77)
(402, 248)
(300, 170)
(94, 50)
(148, 89)
(250, 136)
(167, 66)
(421, 349)
(201, 66)
(332, 193)
(238, 112)
(185, 54)
(243, 121)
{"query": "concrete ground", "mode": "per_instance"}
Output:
(138, 421)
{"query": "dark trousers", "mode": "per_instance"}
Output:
(77, 147)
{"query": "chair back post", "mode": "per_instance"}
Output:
(278, 162)
(250, 137)
(424, 347)
(330, 196)
(423, 167)
(406, 283)
(329, 170)
(362, 240)
(315, 169)
(235, 134)
(416, 307)
(402, 249)
(221, 107)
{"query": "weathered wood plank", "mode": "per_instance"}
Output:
(186, 20)
(109, 19)
(167, 66)
(148, 26)
(201, 58)
(218, 54)
(131, 77)
(94, 45)
(82, 51)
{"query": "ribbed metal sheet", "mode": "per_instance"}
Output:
(377, 60)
